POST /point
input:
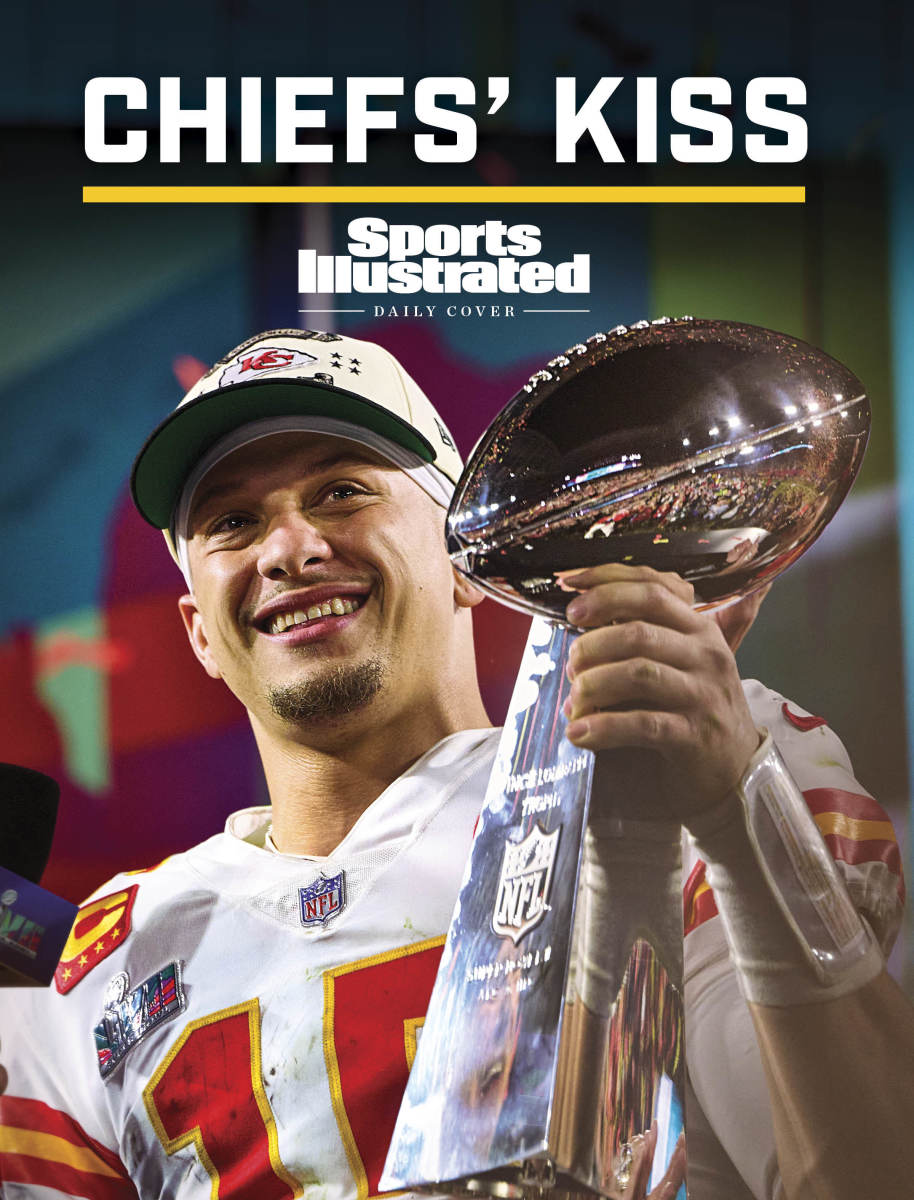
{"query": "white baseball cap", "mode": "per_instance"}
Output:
(289, 373)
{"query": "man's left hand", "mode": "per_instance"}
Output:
(650, 672)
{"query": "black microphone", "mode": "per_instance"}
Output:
(34, 923)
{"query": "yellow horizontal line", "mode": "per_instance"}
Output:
(854, 828)
(444, 195)
(55, 1149)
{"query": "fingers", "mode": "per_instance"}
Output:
(640, 665)
(644, 728)
(591, 577)
(633, 683)
(648, 672)
(636, 639)
(618, 593)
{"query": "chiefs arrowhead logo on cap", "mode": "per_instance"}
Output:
(265, 359)
(100, 927)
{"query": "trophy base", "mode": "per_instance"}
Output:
(535, 1179)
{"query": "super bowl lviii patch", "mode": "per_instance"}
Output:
(100, 927)
(130, 1014)
(323, 899)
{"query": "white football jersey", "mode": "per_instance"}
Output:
(239, 1024)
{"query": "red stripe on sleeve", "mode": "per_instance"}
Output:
(23, 1168)
(850, 804)
(870, 850)
(698, 903)
(692, 884)
(704, 908)
(22, 1113)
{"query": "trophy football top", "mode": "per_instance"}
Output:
(711, 448)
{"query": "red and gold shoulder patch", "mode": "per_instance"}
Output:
(100, 927)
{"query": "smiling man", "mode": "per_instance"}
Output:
(244, 1028)
(321, 590)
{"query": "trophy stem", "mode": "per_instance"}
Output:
(553, 1028)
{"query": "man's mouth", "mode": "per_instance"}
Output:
(336, 606)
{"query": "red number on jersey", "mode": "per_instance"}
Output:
(208, 1092)
(372, 1009)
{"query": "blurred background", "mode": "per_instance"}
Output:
(111, 311)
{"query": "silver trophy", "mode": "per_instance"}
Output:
(552, 1055)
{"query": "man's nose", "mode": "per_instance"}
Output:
(290, 544)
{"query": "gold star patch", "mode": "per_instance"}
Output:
(100, 927)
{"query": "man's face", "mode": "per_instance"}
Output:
(320, 579)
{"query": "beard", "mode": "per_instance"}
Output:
(336, 693)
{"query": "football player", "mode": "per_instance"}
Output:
(231, 1023)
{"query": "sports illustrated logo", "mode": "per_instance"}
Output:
(130, 1015)
(523, 886)
(273, 358)
(469, 261)
(323, 900)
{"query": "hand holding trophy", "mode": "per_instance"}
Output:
(553, 1053)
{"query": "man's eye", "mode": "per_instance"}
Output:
(343, 491)
(230, 523)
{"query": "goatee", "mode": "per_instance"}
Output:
(336, 693)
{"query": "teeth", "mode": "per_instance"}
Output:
(335, 607)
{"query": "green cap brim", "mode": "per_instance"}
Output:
(174, 447)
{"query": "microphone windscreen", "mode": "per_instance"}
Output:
(28, 811)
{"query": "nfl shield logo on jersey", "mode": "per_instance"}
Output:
(523, 887)
(322, 900)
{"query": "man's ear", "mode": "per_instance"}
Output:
(196, 635)
(466, 594)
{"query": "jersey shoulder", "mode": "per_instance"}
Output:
(855, 827)
(151, 904)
